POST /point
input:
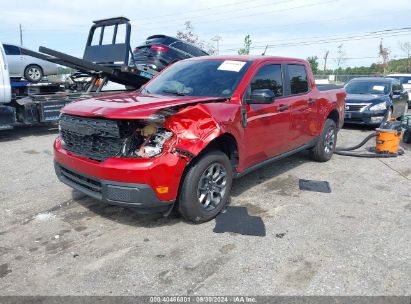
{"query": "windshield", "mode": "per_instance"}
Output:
(402, 79)
(367, 87)
(213, 78)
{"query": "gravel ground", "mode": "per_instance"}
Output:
(355, 240)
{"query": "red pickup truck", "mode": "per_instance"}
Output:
(183, 137)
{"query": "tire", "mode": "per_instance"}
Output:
(406, 137)
(33, 73)
(325, 146)
(202, 197)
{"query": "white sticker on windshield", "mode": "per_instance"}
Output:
(378, 88)
(231, 65)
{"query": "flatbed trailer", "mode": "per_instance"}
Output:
(102, 62)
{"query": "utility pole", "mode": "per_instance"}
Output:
(265, 50)
(21, 35)
(325, 60)
(217, 40)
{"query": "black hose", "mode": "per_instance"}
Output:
(359, 145)
(347, 151)
(368, 155)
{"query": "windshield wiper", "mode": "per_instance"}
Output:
(174, 92)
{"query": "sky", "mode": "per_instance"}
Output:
(294, 28)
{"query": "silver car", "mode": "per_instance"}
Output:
(31, 68)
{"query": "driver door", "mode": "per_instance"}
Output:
(267, 131)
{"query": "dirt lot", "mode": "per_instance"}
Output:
(355, 240)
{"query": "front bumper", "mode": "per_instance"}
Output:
(364, 117)
(140, 196)
(142, 183)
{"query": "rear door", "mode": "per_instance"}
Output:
(303, 109)
(399, 98)
(267, 131)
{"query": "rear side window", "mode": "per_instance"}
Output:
(192, 50)
(298, 78)
(396, 86)
(269, 77)
(11, 49)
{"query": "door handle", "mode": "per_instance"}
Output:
(311, 101)
(281, 108)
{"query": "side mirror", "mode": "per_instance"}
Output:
(262, 96)
(397, 92)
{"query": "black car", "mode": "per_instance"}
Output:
(160, 51)
(372, 100)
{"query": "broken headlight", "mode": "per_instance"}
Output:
(146, 142)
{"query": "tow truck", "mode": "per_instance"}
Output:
(107, 57)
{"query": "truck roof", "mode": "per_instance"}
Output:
(374, 79)
(253, 58)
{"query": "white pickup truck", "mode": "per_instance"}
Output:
(5, 88)
(7, 113)
(25, 103)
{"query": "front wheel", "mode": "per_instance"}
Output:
(206, 187)
(325, 146)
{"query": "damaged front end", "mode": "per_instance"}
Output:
(100, 138)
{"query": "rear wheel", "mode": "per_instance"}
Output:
(206, 187)
(33, 73)
(325, 146)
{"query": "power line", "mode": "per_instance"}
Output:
(259, 14)
(203, 9)
(276, 27)
(216, 13)
(329, 39)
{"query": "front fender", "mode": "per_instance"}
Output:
(194, 128)
(197, 126)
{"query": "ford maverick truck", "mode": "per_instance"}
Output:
(180, 140)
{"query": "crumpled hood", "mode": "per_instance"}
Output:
(132, 105)
(365, 98)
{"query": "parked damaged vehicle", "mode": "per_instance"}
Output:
(183, 137)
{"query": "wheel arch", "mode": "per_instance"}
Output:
(335, 116)
(225, 143)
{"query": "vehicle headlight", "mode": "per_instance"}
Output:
(154, 145)
(379, 106)
(146, 142)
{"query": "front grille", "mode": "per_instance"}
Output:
(354, 107)
(94, 138)
(83, 181)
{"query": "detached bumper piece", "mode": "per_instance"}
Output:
(365, 117)
(139, 196)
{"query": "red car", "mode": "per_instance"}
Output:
(182, 138)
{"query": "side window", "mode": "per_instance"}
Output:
(178, 45)
(269, 77)
(298, 78)
(11, 49)
(396, 86)
(188, 48)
